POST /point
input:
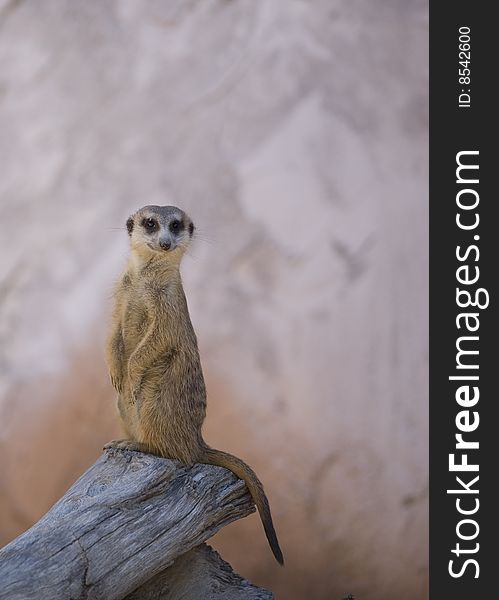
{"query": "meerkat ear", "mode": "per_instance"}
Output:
(129, 225)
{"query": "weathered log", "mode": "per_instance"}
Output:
(120, 528)
(199, 575)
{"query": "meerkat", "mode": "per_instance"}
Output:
(153, 358)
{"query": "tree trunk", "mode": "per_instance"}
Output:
(128, 528)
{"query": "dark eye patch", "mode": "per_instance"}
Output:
(149, 224)
(176, 226)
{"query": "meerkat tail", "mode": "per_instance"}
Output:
(255, 487)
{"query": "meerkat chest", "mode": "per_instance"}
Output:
(135, 321)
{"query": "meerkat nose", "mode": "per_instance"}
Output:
(165, 244)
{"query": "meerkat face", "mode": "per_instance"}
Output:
(162, 230)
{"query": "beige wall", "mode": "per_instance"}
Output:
(294, 133)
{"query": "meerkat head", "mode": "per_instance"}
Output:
(161, 231)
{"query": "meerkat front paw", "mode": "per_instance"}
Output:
(135, 386)
(116, 383)
(136, 394)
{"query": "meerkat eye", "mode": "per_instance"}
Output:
(175, 226)
(149, 224)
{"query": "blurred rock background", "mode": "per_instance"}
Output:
(295, 134)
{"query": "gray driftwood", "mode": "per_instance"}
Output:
(129, 528)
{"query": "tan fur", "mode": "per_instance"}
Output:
(153, 357)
